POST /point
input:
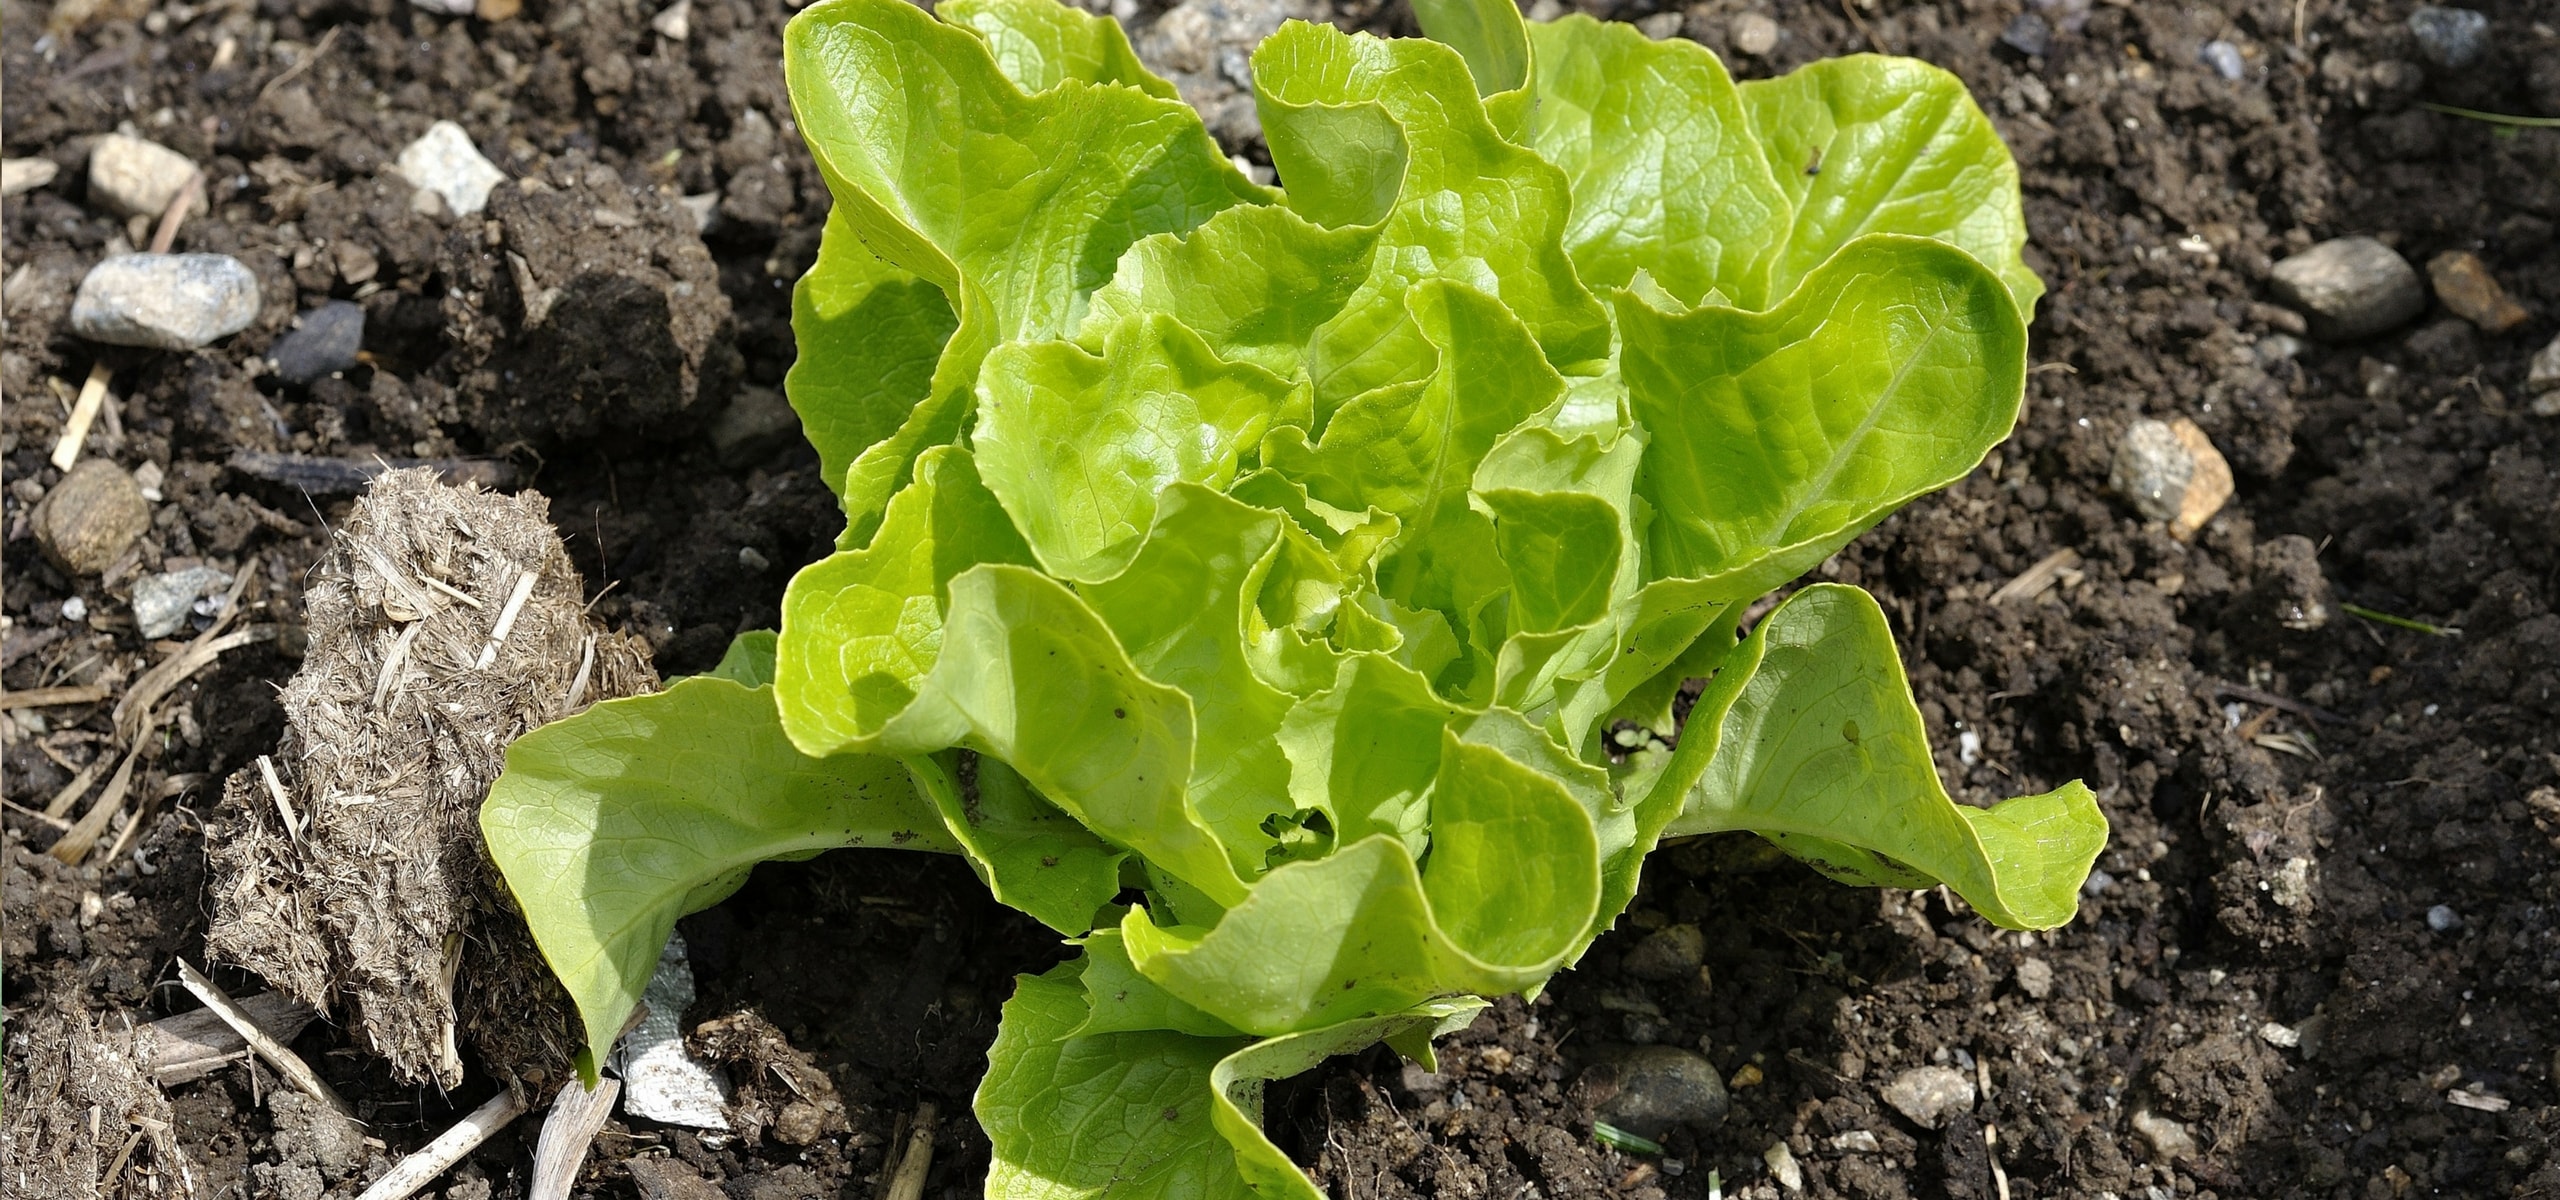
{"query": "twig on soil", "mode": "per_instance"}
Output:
(283, 1059)
(907, 1183)
(75, 845)
(192, 1045)
(567, 1134)
(436, 1157)
(52, 697)
(1991, 1151)
(57, 824)
(507, 616)
(189, 193)
(289, 74)
(2038, 579)
(2272, 700)
(134, 714)
(284, 802)
(78, 787)
(84, 412)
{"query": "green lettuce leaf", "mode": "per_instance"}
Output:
(1779, 436)
(1870, 144)
(611, 824)
(1824, 754)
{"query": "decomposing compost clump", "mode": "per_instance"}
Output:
(348, 867)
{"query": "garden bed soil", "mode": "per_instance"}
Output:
(2321, 957)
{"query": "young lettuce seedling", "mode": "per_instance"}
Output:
(1285, 558)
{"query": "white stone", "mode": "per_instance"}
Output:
(165, 301)
(449, 8)
(1754, 34)
(676, 22)
(19, 176)
(1782, 1166)
(135, 177)
(161, 603)
(2543, 380)
(1929, 1095)
(660, 1080)
(2169, 1139)
(446, 163)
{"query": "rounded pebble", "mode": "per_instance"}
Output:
(1754, 34)
(1655, 1088)
(2350, 287)
(165, 301)
(2453, 38)
(2443, 919)
(1673, 952)
(86, 522)
(2224, 58)
(324, 344)
(130, 176)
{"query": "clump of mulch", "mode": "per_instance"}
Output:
(348, 868)
(84, 1117)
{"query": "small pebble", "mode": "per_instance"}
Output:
(2465, 285)
(324, 344)
(133, 177)
(86, 522)
(675, 22)
(2443, 919)
(2171, 472)
(2350, 287)
(2169, 1139)
(165, 301)
(2035, 978)
(19, 176)
(450, 8)
(1661, 25)
(1857, 1141)
(2028, 34)
(75, 610)
(2453, 38)
(1783, 1167)
(2543, 380)
(1754, 34)
(162, 603)
(2224, 58)
(2280, 1036)
(446, 163)
(2098, 883)
(1672, 952)
(1929, 1095)
(1652, 1089)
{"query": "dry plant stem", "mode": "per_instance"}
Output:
(507, 616)
(917, 1162)
(436, 1157)
(192, 1045)
(75, 845)
(567, 1134)
(75, 432)
(78, 787)
(285, 1061)
(51, 697)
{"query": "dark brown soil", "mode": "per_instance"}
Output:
(2274, 867)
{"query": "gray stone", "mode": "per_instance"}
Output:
(2453, 38)
(448, 8)
(162, 603)
(324, 344)
(1754, 34)
(444, 161)
(1652, 1089)
(2443, 919)
(1205, 46)
(85, 523)
(2350, 287)
(165, 301)
(1673, 952)
(2152, 469)
(1661, 25)
(1929, 1095)
(2035, 978)
(2224, 58)
(2028, 34)
(133, 177)
(756, 423)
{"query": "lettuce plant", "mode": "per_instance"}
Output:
(1285, 595)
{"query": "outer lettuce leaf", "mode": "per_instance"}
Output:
(1667, 178)
(1870, 144)
(1017, 206)
(1778, 436)
(1824, 753)
(1030, 855)
(611, 824)
(1039, 45)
